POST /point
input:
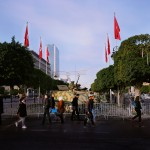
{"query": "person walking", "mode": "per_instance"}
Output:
(61, 109)
(137, 108)
(52, 102)
(75, 107)
(22, 112)
(46, 109)
(89, 112)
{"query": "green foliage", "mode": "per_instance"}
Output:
(129, 66)
(17, 68)
(105, 80)
(16, 63)
(145, 89)
(21, 91)
(14, 92)
(45, 82)
(2, 89)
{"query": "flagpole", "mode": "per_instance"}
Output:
(46, 67)
(117, 37)
(40, 57)
(39, 79)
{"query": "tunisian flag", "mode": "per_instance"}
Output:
(116, 29)
(106, 58)
(108, 45)
(40, 49)
(47, 54)
(26, 37)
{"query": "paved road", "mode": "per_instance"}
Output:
(112, 134)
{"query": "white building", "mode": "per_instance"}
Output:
(54, 60)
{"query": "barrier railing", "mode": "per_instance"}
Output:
(100, 109)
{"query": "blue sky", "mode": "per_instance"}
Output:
(77, 27)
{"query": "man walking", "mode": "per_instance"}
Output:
(75, 107)
(89, 113)
(46, 109)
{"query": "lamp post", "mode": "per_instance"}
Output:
(115, 49)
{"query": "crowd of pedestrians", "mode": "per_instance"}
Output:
(49, 106)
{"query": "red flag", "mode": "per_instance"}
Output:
(40, 50)
(47, 54)
(26, 37)
(106, 59)
(108, 45)
(116, 29)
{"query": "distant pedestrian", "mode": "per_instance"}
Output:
(22, 112)
(52, 102)
(46, 109)
(138, 108)
(89, 112)
(75, 107)
(61, 109)
(1, 107)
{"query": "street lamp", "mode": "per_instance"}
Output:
(115, 49)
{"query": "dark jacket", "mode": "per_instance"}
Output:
(47, 103)
(52, 102)
(22, 112)
(75, 102)
(90, 104)
(137, 104)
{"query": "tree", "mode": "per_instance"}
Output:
(105, 80)
(45, 82)
(16, 63)
(130, 61)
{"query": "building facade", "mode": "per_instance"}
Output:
(54, 60)
(41, 64)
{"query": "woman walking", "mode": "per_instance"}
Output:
(22, 112)
(137, 108)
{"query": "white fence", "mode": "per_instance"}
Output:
(100, 109)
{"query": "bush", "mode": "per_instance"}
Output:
(2, 89)
(145, 89)
(14, 92)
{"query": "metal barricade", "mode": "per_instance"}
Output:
(105, 110)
